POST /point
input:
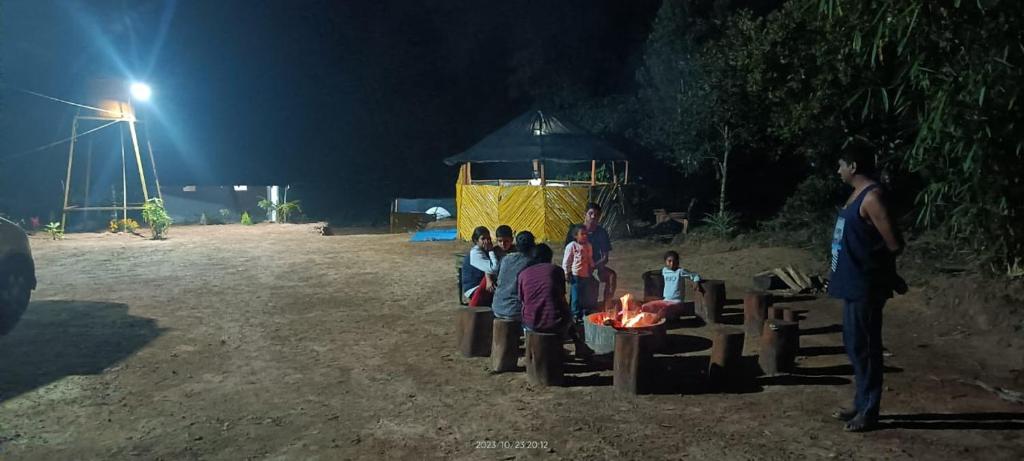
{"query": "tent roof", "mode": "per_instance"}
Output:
(537, 135)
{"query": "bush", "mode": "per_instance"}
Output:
(722, 224)
(155, 215)
(55, 230)
(123, 225)
(246, 219)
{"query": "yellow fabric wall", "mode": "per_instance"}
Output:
(545, 211)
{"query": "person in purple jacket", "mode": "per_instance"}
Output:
(541, 289)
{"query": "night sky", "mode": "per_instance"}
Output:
(357, 101)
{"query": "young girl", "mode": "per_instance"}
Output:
(578, 263)
(479, 268)
(675, 276)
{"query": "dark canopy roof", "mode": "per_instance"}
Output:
(537, 135)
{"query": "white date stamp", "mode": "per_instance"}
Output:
(511, 444)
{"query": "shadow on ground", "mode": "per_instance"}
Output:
(63, 338)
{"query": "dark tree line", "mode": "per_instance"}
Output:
(763, 95)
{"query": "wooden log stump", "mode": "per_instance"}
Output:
(780, 341)
(790, 315)
(544, 359)
(775, 313)
(726, 354)
(505, 345)
(473, 329)
(712, 301)
(632, 361)
(755, 310)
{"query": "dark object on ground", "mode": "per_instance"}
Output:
(780, 340)
(755, 310)
(633, 360)
(545, 359)
(726, 355)
(505, 345)
(473, 328)
(710, 299)
(17, 275)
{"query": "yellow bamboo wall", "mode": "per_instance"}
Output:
(544, 210)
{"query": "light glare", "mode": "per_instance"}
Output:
(141, 91)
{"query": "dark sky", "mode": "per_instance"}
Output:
(360, 100)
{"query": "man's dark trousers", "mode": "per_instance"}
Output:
(862, 337)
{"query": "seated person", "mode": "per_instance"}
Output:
(672, 301)
(479, 268)
(503, 241)
(506, 303)
(542, 296)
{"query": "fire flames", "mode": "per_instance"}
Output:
(630, 316)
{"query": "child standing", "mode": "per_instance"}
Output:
(578, 263)
(672, 296)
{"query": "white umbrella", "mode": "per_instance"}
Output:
(439, 213)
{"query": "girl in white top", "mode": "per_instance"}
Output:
(673, 294)
(578, 263)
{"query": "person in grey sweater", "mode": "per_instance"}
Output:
(506, 304)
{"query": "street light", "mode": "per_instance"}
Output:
(141, 91)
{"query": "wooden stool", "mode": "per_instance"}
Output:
(544, 359)
(505, 344)
(632, 361)
(780, 341)
(726, 352)
(755, 309)
(790, 314)
(473, 331)
(711, 303)
(654, 285)
(775, 312)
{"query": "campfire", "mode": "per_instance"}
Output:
(629, 315)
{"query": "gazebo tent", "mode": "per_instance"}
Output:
(545, 207)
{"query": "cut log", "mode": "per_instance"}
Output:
(755, 310)
(775, 312)
(473, 329)
(712, 301)
(790, 315)
(780, 341)
(801, 277)
(545, 359)
(797, 278)
(768, 281)
(654, 285)
(505, 345)
(632, 362)
(787, 279)
(726, 353)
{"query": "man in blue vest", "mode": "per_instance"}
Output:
(863, 275)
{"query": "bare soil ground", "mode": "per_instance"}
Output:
(270, 342)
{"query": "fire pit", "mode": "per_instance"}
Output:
(600, 327)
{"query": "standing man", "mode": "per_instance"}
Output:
(864, 247)
(602, 247)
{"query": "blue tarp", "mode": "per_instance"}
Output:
(432, 235)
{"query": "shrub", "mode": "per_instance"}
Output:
(722, 223)
(123, 225)
(55, 230)
(155, 215)
(246, 219)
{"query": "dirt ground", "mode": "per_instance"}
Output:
(270, 342)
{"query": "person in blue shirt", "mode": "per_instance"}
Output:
(675, 278)
(863, 275)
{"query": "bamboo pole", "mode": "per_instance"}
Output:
(469, 173)
(67, 180)
(152, 162)
(138, 157)
(625, 179)
(124, 179)
(593, 172)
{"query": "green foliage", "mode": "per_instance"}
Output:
(283, 209)
(203, 219)
(722, 223)
(155, 215)
(246, 219)
(55, 230)
(224, 213)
